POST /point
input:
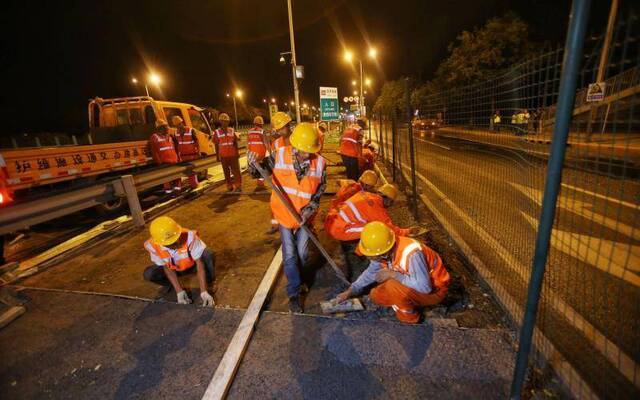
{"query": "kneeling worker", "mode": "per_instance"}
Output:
(174, 251)
(367, 182)
(409, 274)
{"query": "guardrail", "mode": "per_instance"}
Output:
(22, 216)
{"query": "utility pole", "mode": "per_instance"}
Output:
(296, 93)
(235, 111)
(361, 90)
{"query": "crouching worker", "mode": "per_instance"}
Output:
(174, 251)
(408, 274)
(367, 182)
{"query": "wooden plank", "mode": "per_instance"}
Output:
(11, 314)
(223, 377)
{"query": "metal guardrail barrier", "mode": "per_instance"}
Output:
(24, 215)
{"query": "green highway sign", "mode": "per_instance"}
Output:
(329, 105)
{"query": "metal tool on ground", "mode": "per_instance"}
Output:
(334, 306)
(285, 200)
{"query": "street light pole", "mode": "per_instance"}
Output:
(296, 94)
(146, 87)
(361, 90)
(235, 111)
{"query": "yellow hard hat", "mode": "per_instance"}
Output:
(305, 138)
(258, 120)
(389, 191)
(345, 182)
(164, 230)
(369, 177)
(224, 117)
(176, 120)
(376, 239)
(279, 120)
(160, 122)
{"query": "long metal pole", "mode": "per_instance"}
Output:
(361, 90)
(296, 93)
(407, 99)
(568, 81)
(235, 111)
(604, 55)
(147, 89)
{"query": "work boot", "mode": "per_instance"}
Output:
(295, 305)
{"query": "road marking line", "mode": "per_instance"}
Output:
(598, 195)
(435, 144)
(583, 209)
(625, 364)
(610, 257)
(223, 377)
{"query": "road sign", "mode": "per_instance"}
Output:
(273, 108)
(350, 99)
(345, 99)
(353, 107)
(596, 91)
(329, 107)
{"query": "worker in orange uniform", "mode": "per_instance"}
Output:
(300, 173)
(346, 222)
(322, 131)
(281, 124)
(226, 141)
(163, 151)
(409, 275)
(368, 159)
(257, 145)
(367, 182)
(186, 146)
(351, 149)
(174, 252)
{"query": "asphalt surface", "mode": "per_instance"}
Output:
(71, 346)
(310, 357)
(499, 190)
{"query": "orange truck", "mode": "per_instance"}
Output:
(118, 135)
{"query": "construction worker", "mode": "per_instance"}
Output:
(346, 222)
(351, 149)
(409, 275)
(300, 174)
(367, 182)
(257, 145)
(226, 141)
(281, 124)
(368, 156)
(186, 146)
(163, 151)
(322, 130)
(174, 251)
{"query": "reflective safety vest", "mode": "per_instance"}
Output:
(405, 247)
(227, 143)
(346, 222)
(298, 192)
(187, 145)
(177, 260)
(350, 144)
(255, 141)
(163, 149)
(279, 142)
(344, 193)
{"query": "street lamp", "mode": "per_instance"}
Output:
(238, 94)
(273, 100)
(353, 82)
(348, 56)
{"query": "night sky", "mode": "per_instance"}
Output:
(57, 55)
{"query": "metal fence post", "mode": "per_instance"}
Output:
(394, 150)
(407, 99)
(571, 64)
(380, 142)
(132, 198)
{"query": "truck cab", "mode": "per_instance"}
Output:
(133, 119)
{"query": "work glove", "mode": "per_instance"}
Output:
(416, 231)
(207, 299)
(183, 298)
(307, 212)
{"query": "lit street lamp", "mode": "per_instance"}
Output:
(348, 56)
(153, 78)
(238, 94)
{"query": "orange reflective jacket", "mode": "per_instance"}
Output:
(344, 193)
(350, 144)
(255, 141)
(299, 192)
(279, 142)
(227, 142)
(405, 247)
(163, 149)
(347, 221)
(181, 258)
(187, 144)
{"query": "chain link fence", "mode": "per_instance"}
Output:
(479, 156)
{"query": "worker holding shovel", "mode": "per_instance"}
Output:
(299, 178)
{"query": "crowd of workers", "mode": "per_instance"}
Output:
(398, 270)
